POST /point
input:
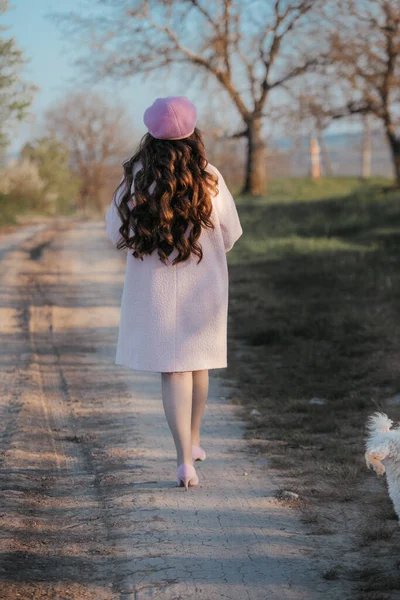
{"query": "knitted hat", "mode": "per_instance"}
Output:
(171, 118)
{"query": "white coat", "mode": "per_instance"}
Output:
(174, 317)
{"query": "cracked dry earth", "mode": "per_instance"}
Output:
(89, 507)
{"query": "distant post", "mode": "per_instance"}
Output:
(315, 156)
(366, 149)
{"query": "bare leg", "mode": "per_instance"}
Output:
(177, 389)
(199, 401)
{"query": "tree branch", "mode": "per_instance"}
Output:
(206, 14)
(295, 72)
(297, 10)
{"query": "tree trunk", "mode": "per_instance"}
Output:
(394, 143)
(256, 178)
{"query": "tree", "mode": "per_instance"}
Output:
(51, 158)
(15, 95)
(97, 135)
(365, 51)
(251, 50)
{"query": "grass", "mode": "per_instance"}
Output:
(14, 207)
(376, 580)
(314, 312)
(313, 293)
(332, 573)
(7, 211)
(375, 533)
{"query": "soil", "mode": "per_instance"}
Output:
(88, 501)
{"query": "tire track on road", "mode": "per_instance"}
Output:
(15, 365)
(63, 465)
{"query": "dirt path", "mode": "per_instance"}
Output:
(88, 503)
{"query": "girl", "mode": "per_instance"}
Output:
(174, 215)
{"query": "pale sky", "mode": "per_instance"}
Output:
(51, 68)
(51, 65)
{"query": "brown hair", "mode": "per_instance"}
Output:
(181, 196)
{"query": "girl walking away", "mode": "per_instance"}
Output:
(174, 215)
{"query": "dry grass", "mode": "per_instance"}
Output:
(375, 533)
(372, 596)
(370, 579)
(386, 512)
(332, 573)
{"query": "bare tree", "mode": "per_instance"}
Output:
(365, 51)
(98, 134)
(250, 48)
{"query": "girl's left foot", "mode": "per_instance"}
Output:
(198, 453)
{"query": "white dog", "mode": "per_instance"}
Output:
(383, 445)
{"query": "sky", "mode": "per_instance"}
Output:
(51, 66)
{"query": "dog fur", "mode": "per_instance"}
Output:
(383, 453)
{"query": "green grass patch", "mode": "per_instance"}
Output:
(8, 212)
(12, 207)
(314, 288)
(314, 283)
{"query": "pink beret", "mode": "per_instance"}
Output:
(170, 118)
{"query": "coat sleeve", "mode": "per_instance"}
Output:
(113, 221)
(227, 214)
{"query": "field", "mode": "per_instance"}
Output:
(15, 209)
(314, 314)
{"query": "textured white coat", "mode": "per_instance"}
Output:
(174, 317)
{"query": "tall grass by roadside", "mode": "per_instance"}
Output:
(7, 211)
(15, 207)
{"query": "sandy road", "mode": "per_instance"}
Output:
(88, 503)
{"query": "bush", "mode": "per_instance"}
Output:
(21, 186)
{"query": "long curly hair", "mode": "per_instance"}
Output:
(180, 198)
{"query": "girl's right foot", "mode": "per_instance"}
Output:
(186, 475)
(198, 453)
